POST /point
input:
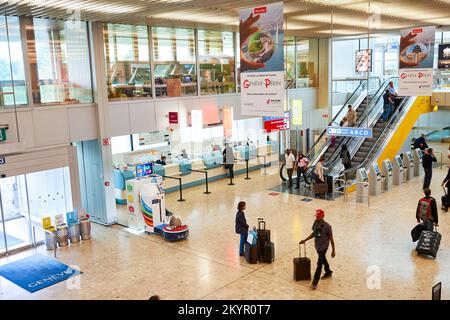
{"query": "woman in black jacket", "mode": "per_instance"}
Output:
(241, 226)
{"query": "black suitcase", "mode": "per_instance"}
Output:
(445, 200)
(251, 253)
(428, 244)
(302, 267)
(268, 252)
(417, 231)
(263, 235)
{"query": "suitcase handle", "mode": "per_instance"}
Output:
(261, 222)
(300, 250)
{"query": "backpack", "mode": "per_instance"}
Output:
(425, 209)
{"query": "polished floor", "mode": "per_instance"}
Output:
(375, 258)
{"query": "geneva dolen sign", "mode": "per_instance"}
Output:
(415, 82)
(262, 93)
(349, 132)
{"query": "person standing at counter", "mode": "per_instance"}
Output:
(162, 161)
(228, 158)
(241, 226)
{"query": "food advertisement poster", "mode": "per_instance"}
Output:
(262, 60)
(444, 56)
(363, 60)
(416, 56)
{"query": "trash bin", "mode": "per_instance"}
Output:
(74, 233)
(62, 235)
(50, 240)
(85, 228)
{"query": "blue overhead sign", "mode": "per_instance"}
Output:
(349, 132)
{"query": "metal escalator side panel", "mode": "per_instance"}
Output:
(413, 108)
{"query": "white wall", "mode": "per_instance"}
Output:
(48, 126)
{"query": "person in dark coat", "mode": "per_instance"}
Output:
(241, 226)
(427, 164)
(421, 143)
(446, 184)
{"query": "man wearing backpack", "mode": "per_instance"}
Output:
(427, 211)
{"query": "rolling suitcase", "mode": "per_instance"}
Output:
(417, 231)
(263, 235)
(445, 200)
(268, 253)
(320, 188)
(251, 253)
(428, 244)
(302, 267)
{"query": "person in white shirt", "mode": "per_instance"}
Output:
(289, 162)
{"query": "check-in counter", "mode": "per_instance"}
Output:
(212, 162)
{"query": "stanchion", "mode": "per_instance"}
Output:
(246, 168)
(265, 163)
(206, 179)
(180, 187)
(231, 181)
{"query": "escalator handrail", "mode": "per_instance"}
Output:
(364, 163)
(333, 120)
(370, 109)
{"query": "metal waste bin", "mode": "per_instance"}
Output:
(85, 228)
(74, 233)
(50, 242)
(62, 235)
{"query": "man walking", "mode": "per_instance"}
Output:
(323, 235)
(427, 164)
(289, 161)
(427, 211)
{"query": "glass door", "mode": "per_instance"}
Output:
(15, 214)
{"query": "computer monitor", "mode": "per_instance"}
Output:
(144, 169)
(377, 170)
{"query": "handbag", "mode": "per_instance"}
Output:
(252, 238)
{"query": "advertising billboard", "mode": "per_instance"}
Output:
(444, 56)
(363, 60)
(416, 57)
(262, 60)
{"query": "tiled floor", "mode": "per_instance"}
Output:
(375, 256)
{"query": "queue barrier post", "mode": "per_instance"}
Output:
(180, 187)
(206, 179)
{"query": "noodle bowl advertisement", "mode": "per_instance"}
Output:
(262, 60)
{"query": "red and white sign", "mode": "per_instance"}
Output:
(173, 117)
(106, 142)
(262, 93)
(415, 82)
(260, 10)
(277, 123)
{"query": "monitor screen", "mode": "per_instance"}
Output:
(410, 157)
(363, 60)
(444, 56)
(143, 170)
(399, 160)
(389, 165)
(377, 170)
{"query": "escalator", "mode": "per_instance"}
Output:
(387, 139)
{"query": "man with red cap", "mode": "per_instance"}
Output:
(323, 235)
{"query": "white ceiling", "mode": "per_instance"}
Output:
(303, 17)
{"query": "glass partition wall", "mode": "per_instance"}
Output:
(217, 62)
(127, 61)
(13, 91)
(57, 52)
(174, 62)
